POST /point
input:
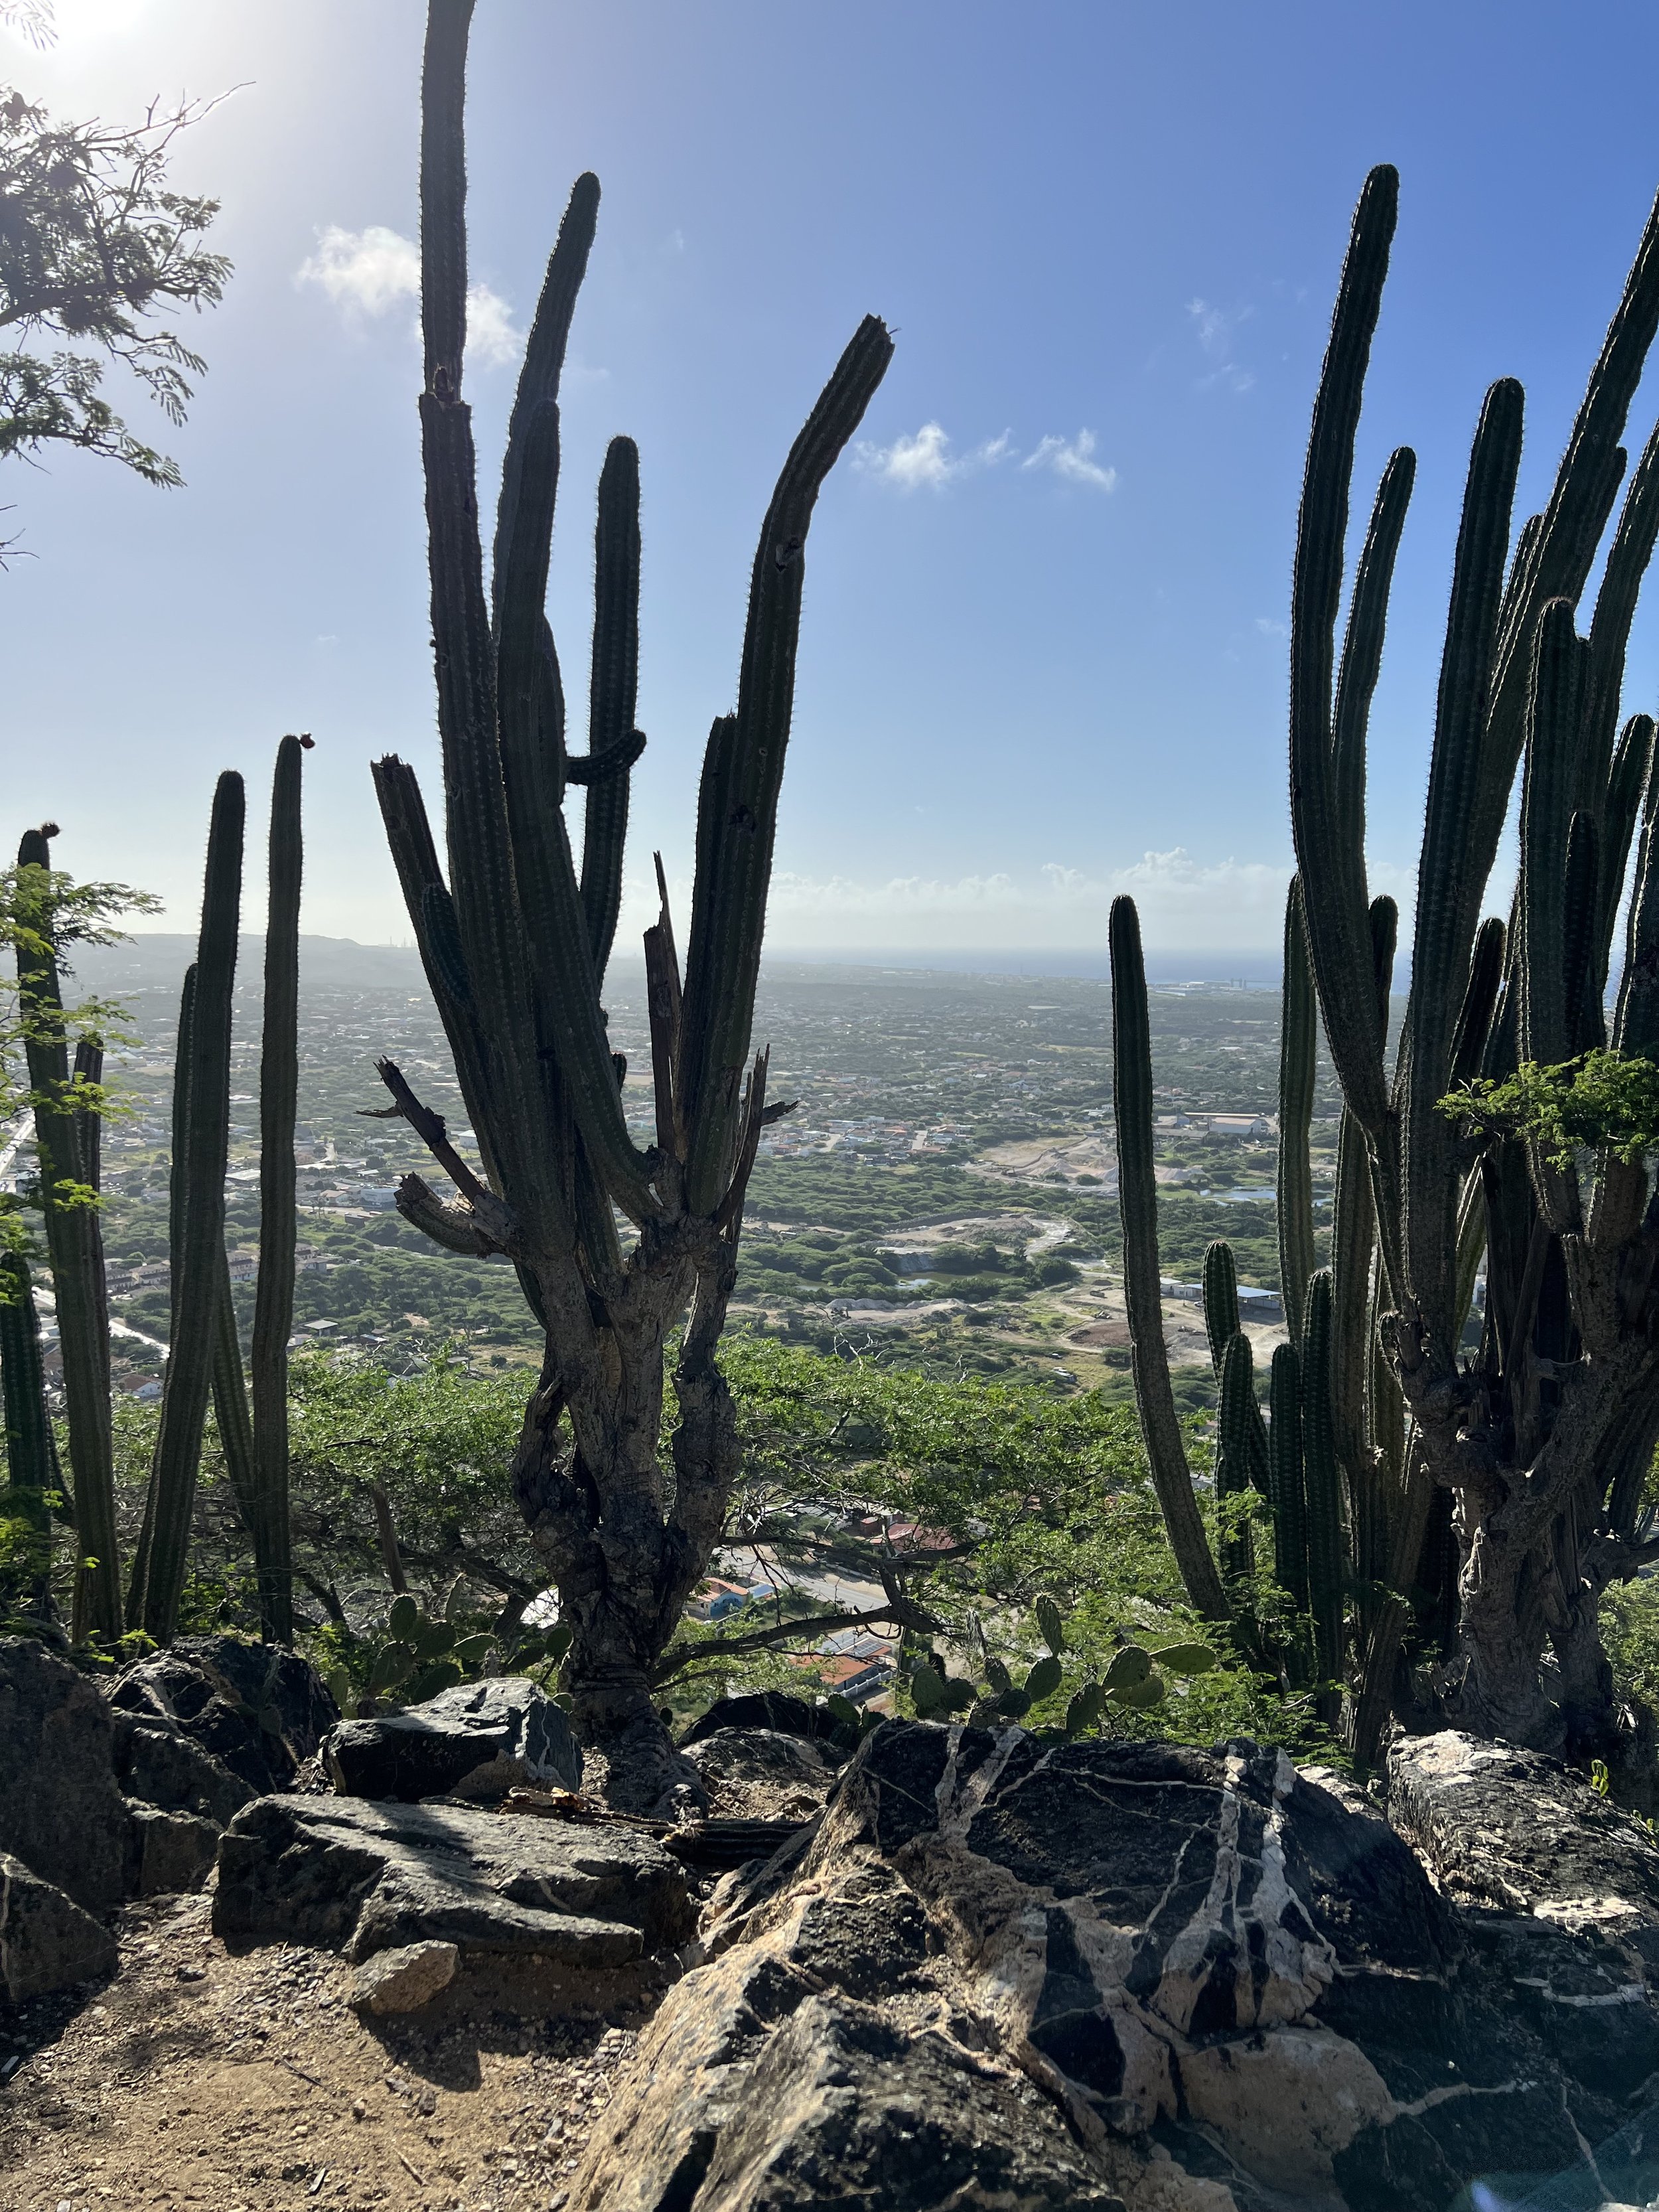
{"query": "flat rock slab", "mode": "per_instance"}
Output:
(362, 1878)
(1516, 1831)
(47, 1942)
(476, 1740)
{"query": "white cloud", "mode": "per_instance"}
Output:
(1073, 460)
(491, 338)
(1215, 330)
(369, 271)
(1269, 628)
(926, 459)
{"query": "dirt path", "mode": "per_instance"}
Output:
(248, 2084)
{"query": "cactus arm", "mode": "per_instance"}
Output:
(437, 933)
(1132, 1099)
(728, 909)
(1361, 663)
(31, 1460)
(1628, 557)
(1474, 1018)
(1553, 711)
(1297, 1039)
(613, 689)
(1553, 558)
(524, 467)
(1627, 778)
(230, 1407)
(1237, 1415)
(273, 1300)
(1353, 1227)
(1326, 1569)
(202, 1174)
(1335, 886)
(487, 912)
(1220, 1280)
(1449, 890)
(1586, 1027)
(177, 1186)
(1285, 1486)
(1636, 1023)
(75, 1248)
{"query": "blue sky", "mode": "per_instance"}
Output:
(1043, 656)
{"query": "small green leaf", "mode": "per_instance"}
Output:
(1050, 1625)
(1186, 1659)
(1131, 1665)
(1138, 1696)
(997, 1675)
(841, 1711)
(403, 1619)
(1014, 1704)
(558, 1640)
(471, 1649)
(1043, 1680)
(341, 1690)
(958, 1694)
(432, 1637)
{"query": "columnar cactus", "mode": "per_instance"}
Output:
(66, 1145)
(31, 1459)
(273, 1302)
(515, 942)
(1545, 1434)
(1136, 1186)
(200, 1286)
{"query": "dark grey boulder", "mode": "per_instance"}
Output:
(257, 1709)
(1222, 1983)
(47, 1942)
(360, 1878)
(156, 1762)
(169, 1852)
(476, 1740)
(765, 1708)
(61, 1808)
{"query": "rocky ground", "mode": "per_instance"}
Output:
(198, 2076)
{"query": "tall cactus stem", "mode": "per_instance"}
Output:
(1132, 1093)
(201, 1175)
(273, 1302)
(1297, 1042)
(65, 1149)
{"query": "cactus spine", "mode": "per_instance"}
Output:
(66, 1148)
(1541, 1434)
(273, 1304)
(202, 1104)
(515, 941)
